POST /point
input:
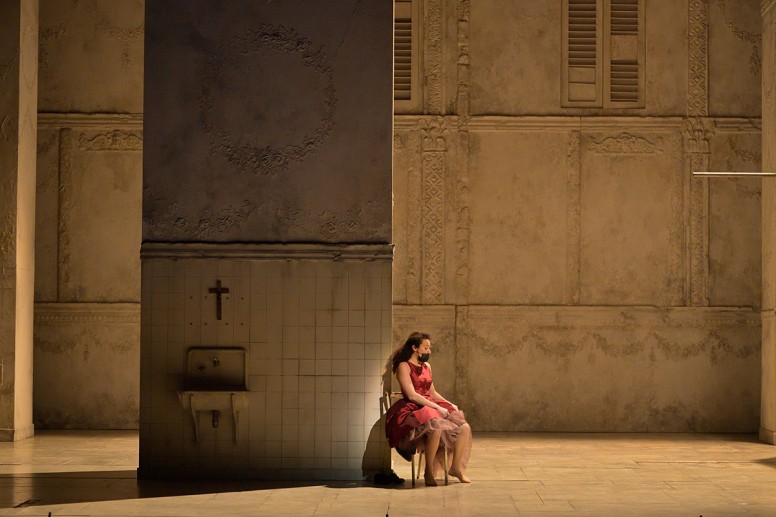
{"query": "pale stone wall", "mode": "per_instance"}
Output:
(88, 219)
(580, 279)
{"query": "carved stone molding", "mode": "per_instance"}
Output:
(174, 219)
(8, 236)
(746, 191)
(463, 223)
(434, 162)
(361, 252)
(117, 32)
(123, 122)
(562, 316)
(115, 140)
(8, 209)
(660, 344)
(433, 130)
(433, 226)
(464, 88)
(677, 239)
(753, 38)
(752, 159)
(88, 313)
(433, 316)
(257, 157)
(65, 205)
(699, 231)
(414, 188)
(432, 55)
(534, 123)
(697, 133)
(626, 143)
(744, 125)
(698, 48)
(573, 216)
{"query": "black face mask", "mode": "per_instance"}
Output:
(423, 357)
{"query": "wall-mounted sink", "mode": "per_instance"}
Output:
(216, 380)
(216, 369)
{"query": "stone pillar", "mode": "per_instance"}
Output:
(768, 372)
(18, 128)
(266, 239)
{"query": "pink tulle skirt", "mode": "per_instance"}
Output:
(408, 424)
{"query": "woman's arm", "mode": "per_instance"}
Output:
(405, 381)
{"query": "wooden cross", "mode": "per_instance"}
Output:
(218, 290)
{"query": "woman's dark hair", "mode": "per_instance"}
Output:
(404, 352)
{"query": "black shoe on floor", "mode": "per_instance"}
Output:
(395, 479)
(381, 478)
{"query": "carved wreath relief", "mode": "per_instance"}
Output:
(258, 153)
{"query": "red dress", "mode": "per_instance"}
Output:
(406, 422)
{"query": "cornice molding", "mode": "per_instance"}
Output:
(599, 316)
(130, 121)
(527, 123)
(752, 125)
(172, 250)
(430, 314)
(48, 313)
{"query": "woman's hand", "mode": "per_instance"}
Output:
(444, 412)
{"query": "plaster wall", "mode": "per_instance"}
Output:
(91, 56)
(579, 267)
(249, 184)
(523, 205)
(88, 215)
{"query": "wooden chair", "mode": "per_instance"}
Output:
(387, 401)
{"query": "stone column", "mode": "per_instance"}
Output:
(18, 128)
(768, 373)
(266, 239)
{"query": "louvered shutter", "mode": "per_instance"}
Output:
(582, 53)
(624, 71)
(402, 51)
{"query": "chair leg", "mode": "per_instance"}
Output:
(420, 463)
(413, 471)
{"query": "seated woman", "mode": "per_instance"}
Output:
(424, 420)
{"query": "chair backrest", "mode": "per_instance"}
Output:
(388, 398)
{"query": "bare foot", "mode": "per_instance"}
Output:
(460, 475)
(429, 479)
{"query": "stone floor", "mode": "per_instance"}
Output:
(78, 473)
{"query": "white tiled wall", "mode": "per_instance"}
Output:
(318, 335)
